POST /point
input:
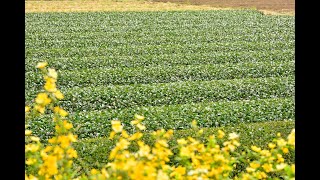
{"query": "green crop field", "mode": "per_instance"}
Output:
(230, 69)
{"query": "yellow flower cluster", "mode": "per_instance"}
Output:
(215, 159)
(53, 161)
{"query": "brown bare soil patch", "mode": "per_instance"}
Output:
(267, 6)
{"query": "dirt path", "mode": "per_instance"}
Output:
(285, 7)
(280, 6)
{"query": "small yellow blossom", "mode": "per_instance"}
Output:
(141, 127)
(43, 99)
(254, 165)
(26, 109)
(33, 138)
(60, 111)
(271, 145)
(31, 147)
(285, 150)
(72, 153)
(267, 167)
(249, 169)
(281, 166)
(67, 125)
(293, 168)
(52, 73)
(291, 138)
(233, 136)
(31, 161)
(135, 136)
(58, 95)
(39, 108)
(194, 123)
(182, 141)
(138, 117)
(281, 142)
(221, 134)
(50, 87)
(111, 136)
(116, 126)
(27, 132)
(255, 148)
(124, 134)
(41, 65)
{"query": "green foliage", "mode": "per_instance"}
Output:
(92, 152)
(97, 123)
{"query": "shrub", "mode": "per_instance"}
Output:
(214, 159)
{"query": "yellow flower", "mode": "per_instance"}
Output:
(27, 132)
(41, 65)
(26, 109)
(58, 95)
(182, 141)
(116, 126)
(162, 176)
(141, 127)
(267, 167)
(281, 142)
(94, 171)
(40, 109)
(50, 87)
(72, 153)
(43, 99)
(184, 151)
(194, 123)
(291, 137)
(60, 111)
(271, 145)
(233, 136)
(64, 141)
(33, 138)
(51, 164)
(73, 138)
(31, 177)
(135, 136)
(67, 125)
(52, 73)
(285, 150)
(255, 148)
(134, 122)
(162, 142)
(168, 134)
(261, 175)
(123, 144)
(138, 117)
(31, 147)
(281, 166)
(124, 134)
(279, 134)
(254, 165)
(111, 136)
(293, 168)
(179, 171)
(280, 158)
(31, 161)
(249, 169)
(220, 134)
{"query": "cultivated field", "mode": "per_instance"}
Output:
(231, 69)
